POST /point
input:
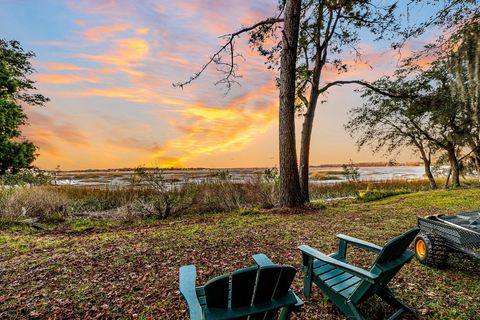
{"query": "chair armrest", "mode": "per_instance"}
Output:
(262, 260)
(188, 276)
(299, 303)
(359, 272)
(360, 243)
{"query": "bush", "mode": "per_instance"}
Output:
(26, 177)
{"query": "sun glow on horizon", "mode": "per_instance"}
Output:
(108, 67)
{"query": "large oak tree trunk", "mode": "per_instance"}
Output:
(428, 173)
(447, 179)
(290, 195)
(427, 162)
(476, 155)
(454, 166)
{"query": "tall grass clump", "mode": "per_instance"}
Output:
(218, 193)
(28, 202)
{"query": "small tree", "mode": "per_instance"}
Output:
(350, 172)
(386, 123)
(15, 88)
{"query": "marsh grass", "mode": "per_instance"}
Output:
(50, 203)
(135, 201)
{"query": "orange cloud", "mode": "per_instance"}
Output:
(65, 79)
(63, 66)
(127, 52)
(142, 30)
(134, 94)
(46, 132)
(128, 93)
(100, 33)
(230, 128)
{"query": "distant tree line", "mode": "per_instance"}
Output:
(436, 111)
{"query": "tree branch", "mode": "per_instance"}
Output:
(368, 85)
(229, 47)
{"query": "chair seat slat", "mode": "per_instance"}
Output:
(347, 293)
(341, 278)
(331, 274)
(346, 284)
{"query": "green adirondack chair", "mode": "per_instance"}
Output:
(258, 292)
(347, 285)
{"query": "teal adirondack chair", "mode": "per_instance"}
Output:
(347, 285)
(261, 292)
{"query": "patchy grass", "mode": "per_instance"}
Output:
(345, 189)
(374, 195)
(84, 269)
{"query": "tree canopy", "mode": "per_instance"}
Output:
(437, 109)
(16, 89)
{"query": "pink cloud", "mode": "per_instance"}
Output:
(63, 66)
(65, 79)
(100, 33)
(127, 52)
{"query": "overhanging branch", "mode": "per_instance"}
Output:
(368, 85)
(228, 47)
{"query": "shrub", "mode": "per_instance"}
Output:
(350, 172)
(26, 177)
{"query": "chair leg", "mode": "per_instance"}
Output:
(307, 286)
(354, 314)
(285, 313)
(307, 276)
(387, 295)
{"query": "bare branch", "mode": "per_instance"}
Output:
(229, 47)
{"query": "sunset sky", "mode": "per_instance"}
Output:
(108, 68)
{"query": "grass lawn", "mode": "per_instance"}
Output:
(85, 269)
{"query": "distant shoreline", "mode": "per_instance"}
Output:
(337, 165)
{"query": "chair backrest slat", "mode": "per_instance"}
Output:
(216, 292)
(285, 281)
(266, 283)
(243, 286)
